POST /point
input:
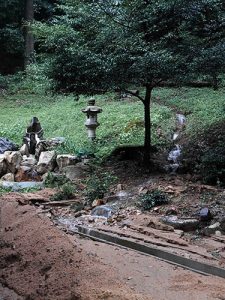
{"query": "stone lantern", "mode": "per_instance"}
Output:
(91, 123)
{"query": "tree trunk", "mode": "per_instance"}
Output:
(28, 36)
(215, 83)
(147, 142)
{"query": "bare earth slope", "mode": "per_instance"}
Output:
(40, 262)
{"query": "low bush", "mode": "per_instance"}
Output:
(212, 166)
(66, 192)
(153, 198)
(33, 81)
(55, 180)
(98, 185)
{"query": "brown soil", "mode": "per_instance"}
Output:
(39, 261)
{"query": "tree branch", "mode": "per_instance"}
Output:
(110, 15)
(135, 95)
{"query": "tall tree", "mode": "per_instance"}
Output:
(28, 35)
(15, 34)
(11, 37)
(206, 25)
(102, 45)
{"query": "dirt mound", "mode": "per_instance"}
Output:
(38, 261)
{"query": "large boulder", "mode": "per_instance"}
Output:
(7, 145)
(222, 224)
(47, 162)
(8, 177)
(78, 171)
(56, 141)
(29, 161)
(3, 165)
(65, 160)
(24, 150)
(212, 229)
(13, 159)
(185, 224)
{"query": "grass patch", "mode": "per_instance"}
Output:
(121, 122)
(203, 106)
(62, 116)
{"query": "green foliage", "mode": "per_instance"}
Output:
(212, 166)
(202, 106)
(97, 185)
(53, 180)
(31, 81)
(11, 37)
(4, 190)
(98, 46)
(101, 46)
(134, 124)
(12, 27)
(66, 192)
(153, 198)
(67, 120)
(207, 34)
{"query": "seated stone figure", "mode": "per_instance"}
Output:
(33, 135)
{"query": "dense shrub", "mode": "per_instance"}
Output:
(153, 198)
(66, 192)
(212, 166)
(98, 184)
(33, 81)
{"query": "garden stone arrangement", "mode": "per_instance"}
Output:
(36, 157)
(6, 144)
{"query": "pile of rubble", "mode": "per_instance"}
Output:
(37, 157)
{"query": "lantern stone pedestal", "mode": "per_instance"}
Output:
(91, 123)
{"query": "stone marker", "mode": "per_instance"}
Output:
(33, 135)
(91, 123)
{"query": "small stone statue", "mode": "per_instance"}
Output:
(33, 135)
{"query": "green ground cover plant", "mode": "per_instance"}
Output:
(65, 192)
(61, 116)
(121, 123)
(152, 199)
(98, 184)
(203, 106)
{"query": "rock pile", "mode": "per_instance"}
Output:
(16, 166)
(37, 157)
